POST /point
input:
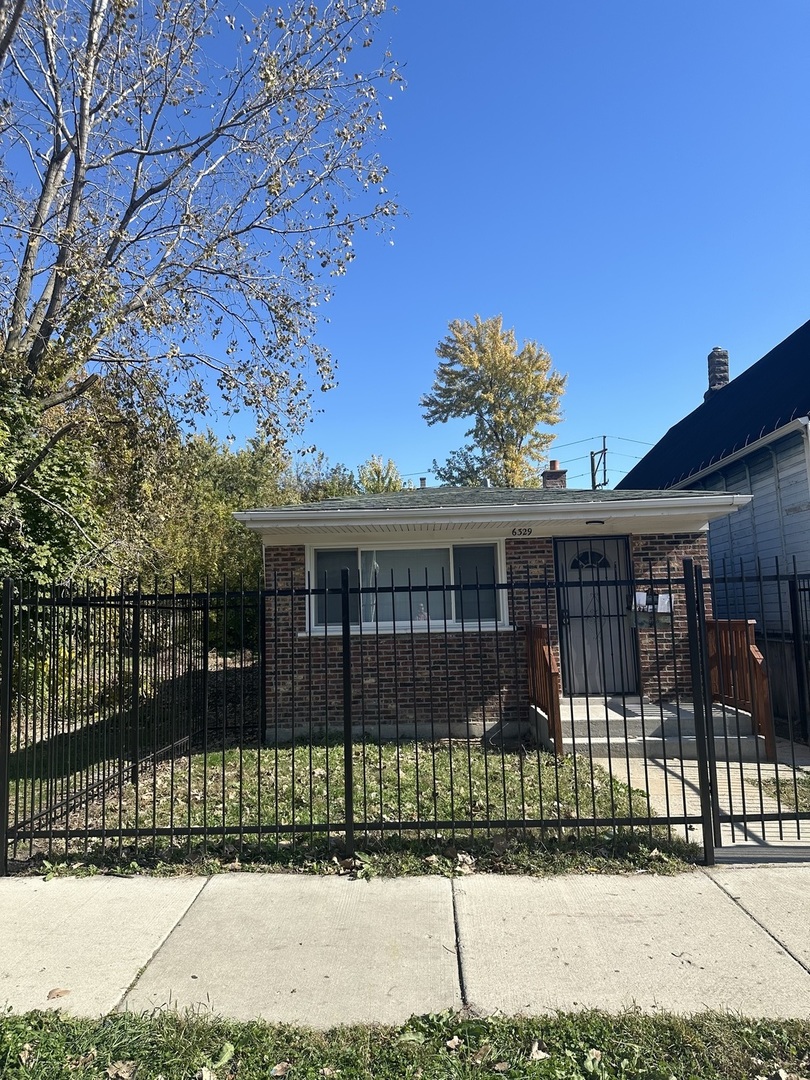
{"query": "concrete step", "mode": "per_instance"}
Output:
(653, 740)
(652, 726)
(744, 748)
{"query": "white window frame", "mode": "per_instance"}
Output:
(433, 625)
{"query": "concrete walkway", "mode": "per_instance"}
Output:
(328, 951)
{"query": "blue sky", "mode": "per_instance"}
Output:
(625, 182)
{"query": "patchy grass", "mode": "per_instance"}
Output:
(221, 810)
(625, 851)
(793, 792)
(301, 786)
(631, 1046)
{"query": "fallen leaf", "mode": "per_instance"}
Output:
(84, 1060)
(537, 1052)
(501, 1067)
(454, 1043)
(57, 992)
(481, 1055)
(205, 1074)
(281, 1069)
(121, 1070)
(327, 1070)
(26, 1054)
(465, 863)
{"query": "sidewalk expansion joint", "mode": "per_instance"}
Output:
(159, 946)
(462, 989)
(736, 900)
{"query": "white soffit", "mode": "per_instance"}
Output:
(680, 514)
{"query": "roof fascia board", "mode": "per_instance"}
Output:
(801, 422)
(711, 505)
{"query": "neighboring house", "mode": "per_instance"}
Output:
(446, 588)
(750, 435)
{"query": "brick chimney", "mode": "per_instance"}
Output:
(718, 371)
(554, 476)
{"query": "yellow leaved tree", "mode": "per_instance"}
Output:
(507, 392)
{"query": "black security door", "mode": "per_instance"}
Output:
(597, 643)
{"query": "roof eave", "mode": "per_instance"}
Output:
(702, 508)
(799, 424)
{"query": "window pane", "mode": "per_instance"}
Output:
(431, 565)
(328, 567)
(471, 564)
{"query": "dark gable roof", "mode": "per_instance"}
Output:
(771, 393)
(438, 498)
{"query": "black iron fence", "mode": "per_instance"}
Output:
(296, 717)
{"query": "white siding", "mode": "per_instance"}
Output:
(774, 529)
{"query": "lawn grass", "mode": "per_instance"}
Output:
(631, 1046)
(408, 782)
(426, 808)
(793, 793)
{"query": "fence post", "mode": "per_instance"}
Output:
(348, 748)
(705, 780)
(135, 713)
(700, 601)
(6, 674)
(206, 682)
(799, 656)
(262, 606)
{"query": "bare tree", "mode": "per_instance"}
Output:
(10, 15)
(176, 192)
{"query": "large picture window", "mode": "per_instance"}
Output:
(411, 586)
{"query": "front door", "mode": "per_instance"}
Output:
(597, 644)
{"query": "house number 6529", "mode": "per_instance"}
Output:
(521, 532)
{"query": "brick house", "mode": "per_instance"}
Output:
(442, 586)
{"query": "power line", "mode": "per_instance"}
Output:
(562, 446)
(592, 438)
(622, 439)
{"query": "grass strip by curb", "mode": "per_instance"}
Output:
(565, 1046)
(625, 851)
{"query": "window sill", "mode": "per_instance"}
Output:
(406, 630)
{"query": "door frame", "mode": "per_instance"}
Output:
(631, 660)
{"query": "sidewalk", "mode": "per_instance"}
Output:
(325, 951)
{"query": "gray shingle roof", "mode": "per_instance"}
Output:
(450, 497)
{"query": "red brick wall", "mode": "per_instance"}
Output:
(443, 681)
(663, 647)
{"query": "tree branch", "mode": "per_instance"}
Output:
(10, 13)
(28, 470)
(69, 394)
